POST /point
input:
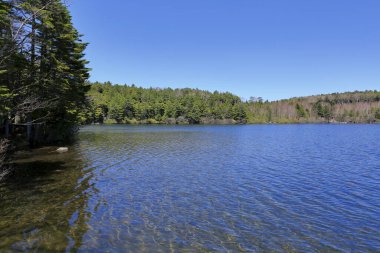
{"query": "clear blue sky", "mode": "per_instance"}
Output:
(270, 48)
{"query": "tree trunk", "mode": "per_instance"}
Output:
(29, 130)
(6, 128)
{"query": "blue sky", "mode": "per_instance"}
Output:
(269, 48)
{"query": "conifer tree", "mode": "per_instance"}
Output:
(42, 67)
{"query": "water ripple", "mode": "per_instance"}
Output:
(296, 188)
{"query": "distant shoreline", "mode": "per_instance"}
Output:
(136, 105)
(234, 124)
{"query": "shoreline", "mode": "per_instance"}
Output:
(234, 124)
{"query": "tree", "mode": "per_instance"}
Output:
(239, 112)
(377, 113)
(42, 71)
(117, 108)
(324, 109)
(301, 113)
(255, 100)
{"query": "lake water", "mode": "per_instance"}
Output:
(250, 188)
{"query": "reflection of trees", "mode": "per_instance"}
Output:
(44, 206)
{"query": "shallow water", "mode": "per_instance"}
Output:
(260, 188)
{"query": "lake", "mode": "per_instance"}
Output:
(248, 188)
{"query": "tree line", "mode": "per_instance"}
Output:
(130, 104)
(348, 107)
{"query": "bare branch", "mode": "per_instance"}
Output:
(31, 104)
(34, 122)
(18, 35)
(35, 14)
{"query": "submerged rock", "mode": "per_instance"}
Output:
(62, 149)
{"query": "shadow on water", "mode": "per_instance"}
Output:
(44, 203)
(33, 174)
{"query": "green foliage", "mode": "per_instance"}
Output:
(5, 97)
(301, 113)
(338, 107)
(377, 113)
(323, 109)
(131, 104)
(42, 70)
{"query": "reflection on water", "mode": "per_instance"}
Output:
(296, 188)
(44, 205)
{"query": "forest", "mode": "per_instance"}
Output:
(130, 104)
(348, 107)
(116, 104)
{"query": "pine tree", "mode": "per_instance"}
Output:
(63, 68)
(43, 70)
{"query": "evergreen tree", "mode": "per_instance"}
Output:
(42, 70)
(301, 113)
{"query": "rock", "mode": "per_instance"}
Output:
(62, 149)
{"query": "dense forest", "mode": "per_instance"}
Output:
(130, 104)
(42, 73)
(348, 107)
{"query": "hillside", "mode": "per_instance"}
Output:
(350, 107)
(130, 104)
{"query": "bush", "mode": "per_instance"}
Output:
(152, 121)
(377, 113)
(110, 121)
(182, 120)
(131, 121)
